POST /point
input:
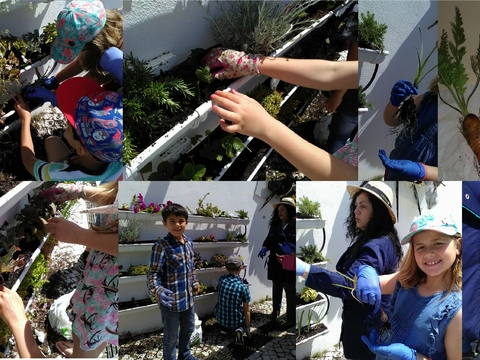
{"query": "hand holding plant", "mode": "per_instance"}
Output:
(12, 308)
(22, 108)
(65, 230)
(402, 90)
(368, 286)
(228, 64)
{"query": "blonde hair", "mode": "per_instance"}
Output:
(106, 194)
(110, 36)
(410, 274)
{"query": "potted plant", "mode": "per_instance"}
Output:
(311, 255)
(371, 34)
(309, 215)
(310, 305)
(129, 231)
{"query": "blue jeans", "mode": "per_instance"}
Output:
(171, 320)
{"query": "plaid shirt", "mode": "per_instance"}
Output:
(172, 267)
(232, 293)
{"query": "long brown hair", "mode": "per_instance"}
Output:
(410, 274)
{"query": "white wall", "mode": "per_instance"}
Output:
(401, 40)
(335, 203)
(228, 196)
(20, 19)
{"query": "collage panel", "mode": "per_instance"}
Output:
(459, 101)
(210, 267)
(398, 82)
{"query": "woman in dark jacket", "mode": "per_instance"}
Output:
(282, 229)
(374, 242)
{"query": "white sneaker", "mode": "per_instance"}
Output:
(239, 337)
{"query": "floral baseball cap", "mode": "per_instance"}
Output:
(96, 116)
(435, 221)
(77, 24)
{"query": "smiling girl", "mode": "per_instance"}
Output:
(427, 298)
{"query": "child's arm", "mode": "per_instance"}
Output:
(27, 149)
(453, 337)
(157, 260)
(387, 283)
(248, 117)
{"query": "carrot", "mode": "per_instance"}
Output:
(471, 131)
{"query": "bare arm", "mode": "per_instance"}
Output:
(453, 337)
(387, 283)
(27, 150)
(314, 74)
(249, 118)
(70, 232)
(12, 312)
(432, 173)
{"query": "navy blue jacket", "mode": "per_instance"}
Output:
(471, 261)
(358, 319)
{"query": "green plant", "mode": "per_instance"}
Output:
(49, 32)
(256, 26)
(218, 260)
(362, 99)
(241, 238)
(129, 149)
(36, 276)
(451, 71)
(308, 208)
(242, 214)
(202, 288)
(134, 270)
(202, 74)
(208, 209)
(308, 294)
(191, 172)
(130, 232)
(371, 33)
(310, 254)
(271, 103)
(230, 236)
(232, 145)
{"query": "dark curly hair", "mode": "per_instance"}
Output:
(274, 219)
(380, 224)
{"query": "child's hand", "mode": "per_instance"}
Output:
(244, 115)
(196, 289)
(166, 299)
(22, 108)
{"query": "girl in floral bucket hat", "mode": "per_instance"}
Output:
(426, 321)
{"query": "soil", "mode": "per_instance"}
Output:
(50, 122)
(6, 184)
(305, 333)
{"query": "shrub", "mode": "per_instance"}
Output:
(370, 32)
(308, 208)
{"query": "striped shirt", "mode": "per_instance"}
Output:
(172, 267)
(67, 171)
(232, 293)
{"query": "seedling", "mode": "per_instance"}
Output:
(352, 289)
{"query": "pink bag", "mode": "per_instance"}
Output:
(288, 262)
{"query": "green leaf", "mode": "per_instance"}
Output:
(147, 168)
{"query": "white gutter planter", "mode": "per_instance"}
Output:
(310, 223)
(12, 202)
(178, 140)
(312, 345)
(372, 56)
(316, 307)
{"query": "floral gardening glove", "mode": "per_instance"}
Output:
(400, 91)
(394, 351)
(368, 286)
(63, 192)
(228, 64)
(411, 169)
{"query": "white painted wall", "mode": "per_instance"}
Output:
(20, 19)
(403, 19)
(228, 196)
(335, 203)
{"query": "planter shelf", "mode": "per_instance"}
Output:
(129, 215)
(317, 307)
(312, 345)
(371, 56)
(12, 202)
(178, 140)
(310, 223)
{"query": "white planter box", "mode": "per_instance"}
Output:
(318, 309)
(371, 56)
(362, 110)
(140, 320)
(13, 201)
(177, 141)
(306, 348)
(310, 223)
(128, 215)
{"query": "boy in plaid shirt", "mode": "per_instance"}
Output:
(173, 282)
(232, 310)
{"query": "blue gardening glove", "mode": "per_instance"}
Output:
(39, 92)
(394, 351)
(262, 252)
(301, 267)
(165, 298)
(368, 286)
(287, 247)
(112, 61)
(401, 90)
(51, 83)
(411, 169)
